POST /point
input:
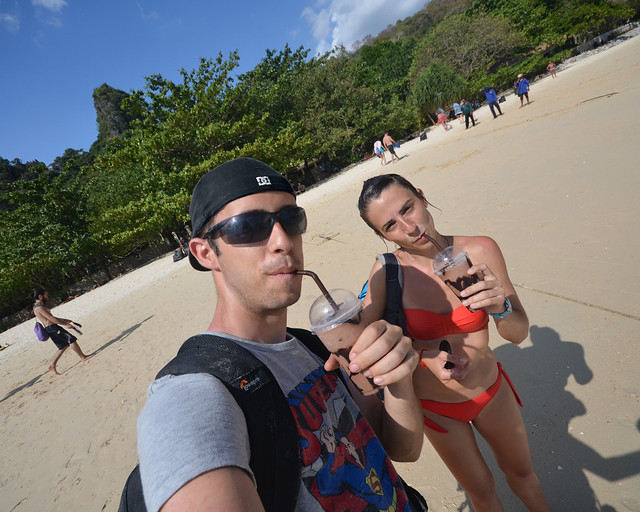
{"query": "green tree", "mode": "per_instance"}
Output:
(384, 67)
(340, 116)
(436, 87)
(142, 185)
(468, 44)
(44, 236)
(270, 86)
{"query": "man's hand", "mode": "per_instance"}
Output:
(382, 353)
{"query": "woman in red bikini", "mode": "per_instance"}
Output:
(476, 390)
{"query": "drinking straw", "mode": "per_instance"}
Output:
(324, 291)
(433, 241)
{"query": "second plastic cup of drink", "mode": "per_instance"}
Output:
(451, 266)
(339, 330)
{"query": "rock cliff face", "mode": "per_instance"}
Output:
(112, 120)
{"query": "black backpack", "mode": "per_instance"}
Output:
(275, 456)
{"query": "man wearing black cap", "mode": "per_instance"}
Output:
(192, 436)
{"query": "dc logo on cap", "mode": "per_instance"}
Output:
(263, 180)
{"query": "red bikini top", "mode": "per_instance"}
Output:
(427, 325)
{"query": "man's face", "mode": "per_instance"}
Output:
(260, 276)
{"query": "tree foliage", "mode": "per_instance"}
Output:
(436, 87)
(43, 237)
(468, 44)
(552, 21)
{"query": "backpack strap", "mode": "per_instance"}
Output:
(394, 314)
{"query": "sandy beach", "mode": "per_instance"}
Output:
(555, 183)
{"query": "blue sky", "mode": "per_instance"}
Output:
(54, 53)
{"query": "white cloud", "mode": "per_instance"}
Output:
(10, 22)
(52, 5)
(148, 16)
(346, 21)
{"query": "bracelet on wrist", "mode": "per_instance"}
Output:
(506, 312)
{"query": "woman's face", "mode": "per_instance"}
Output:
(401, 217)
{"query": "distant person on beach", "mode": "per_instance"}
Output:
(551, 68)
(457, 111)
(179, 254)
(477, 393)
(522, 88)
(194, 442)
(467, 110)
(492, 100)
(378, 149)
(389, 144)
(184, 245)
(53, 325)
(442, 120)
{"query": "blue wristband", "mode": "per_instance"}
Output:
(506, 312)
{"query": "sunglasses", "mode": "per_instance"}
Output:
(256, 226)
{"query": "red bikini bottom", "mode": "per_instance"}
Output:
(469, 410)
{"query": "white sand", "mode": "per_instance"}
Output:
(555, 183)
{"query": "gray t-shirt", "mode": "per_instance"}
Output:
(191, 424)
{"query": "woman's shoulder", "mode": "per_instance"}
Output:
(479, 244)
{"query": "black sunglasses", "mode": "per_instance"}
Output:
(256, 226)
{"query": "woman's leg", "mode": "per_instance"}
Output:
(459, 451)
(500, 423)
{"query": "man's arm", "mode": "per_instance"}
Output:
(192, 441)
(44, 313)
(226, 489)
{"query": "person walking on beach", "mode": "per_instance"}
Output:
(193, 442)
(457, 111)
(492, 100)
(522, 88)
(467, 110)
(478, 392)
(389, 144)
(53, 325)
(442, 120)
(551, 68)
(378, 149)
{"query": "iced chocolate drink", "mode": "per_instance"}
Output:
(338, 324)
(451, 266)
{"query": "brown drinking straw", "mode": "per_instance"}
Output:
(324, 291)
(433, 241)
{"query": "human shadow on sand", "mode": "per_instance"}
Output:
(23, 386)
(540, 373)
(123, 335)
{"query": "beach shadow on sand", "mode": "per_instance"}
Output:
(26, 385)
(540, 373)
(123, 335)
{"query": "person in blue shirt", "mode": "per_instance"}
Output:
(522, 88)
(457, 110)
(492, 100)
